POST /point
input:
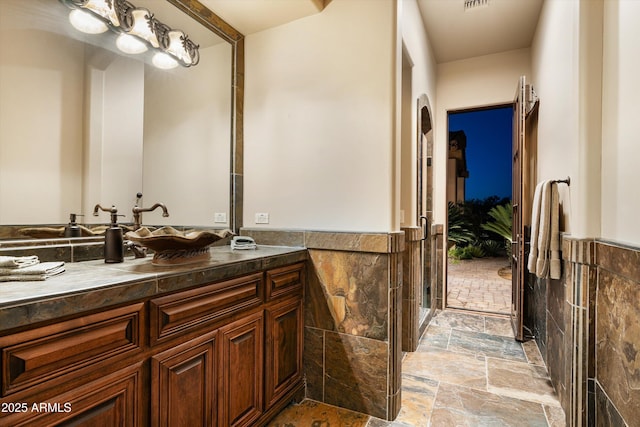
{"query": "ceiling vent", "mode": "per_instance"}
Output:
(475, 4)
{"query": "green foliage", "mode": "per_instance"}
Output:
(458, 230)
(502, 221)
(466, 252)
(476, 213)
(483, 224)
(501, 224)
(492, 248)
(474, 251)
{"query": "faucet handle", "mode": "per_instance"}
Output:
(98, 207)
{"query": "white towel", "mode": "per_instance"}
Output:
(18, 261)
(40, 271)
(554, 243)
(535, 219)
(544, 254)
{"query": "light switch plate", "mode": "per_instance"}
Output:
(220, 217)
(262, 218)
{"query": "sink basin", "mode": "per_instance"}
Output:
(172, 247)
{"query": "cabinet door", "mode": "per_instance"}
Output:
(183, 384)
(283, 349)
(241, 368)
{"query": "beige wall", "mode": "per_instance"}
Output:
(319, 119)
(113, 126)
(41, 147)
(422, 75)
(620, 122)
(476, 82)
(556, 76)
(588, 113)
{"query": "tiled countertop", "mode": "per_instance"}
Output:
(91, 285)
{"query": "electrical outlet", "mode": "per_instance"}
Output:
(220, 217)
(262, 218)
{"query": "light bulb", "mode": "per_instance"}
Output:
(86, 22)
(130, 44)
(164, 61)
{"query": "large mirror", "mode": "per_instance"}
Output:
(82, 123)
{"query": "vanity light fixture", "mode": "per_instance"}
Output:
(138, 31)
(86, 22)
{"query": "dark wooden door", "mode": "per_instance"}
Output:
(522, 178)
(183, 384)
(241, 371)
(284, 348)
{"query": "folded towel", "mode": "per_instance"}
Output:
(535, 220)
(18, 261)
(39, 271)
(544, 254)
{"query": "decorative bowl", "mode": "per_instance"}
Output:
(172, 247)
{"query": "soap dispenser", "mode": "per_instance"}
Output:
(72, 229)
(113, 241)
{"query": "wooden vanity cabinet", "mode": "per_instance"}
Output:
(225, 354)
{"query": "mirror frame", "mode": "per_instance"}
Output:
(210, 20)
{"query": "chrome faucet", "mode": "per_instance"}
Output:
(137, 213)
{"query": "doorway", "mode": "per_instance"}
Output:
(479, 186)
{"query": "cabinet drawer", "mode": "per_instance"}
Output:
(113, 400)
(63, 349)
(284, 280)
(179, 313)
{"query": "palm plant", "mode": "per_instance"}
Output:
(502, 223)
(458, 230)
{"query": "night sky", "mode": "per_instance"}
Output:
(488, 150)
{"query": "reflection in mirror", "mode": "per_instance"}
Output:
(83, 123)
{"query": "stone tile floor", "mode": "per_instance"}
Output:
(474, 284)
(468, 371)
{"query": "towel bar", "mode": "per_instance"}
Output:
(563, 181)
